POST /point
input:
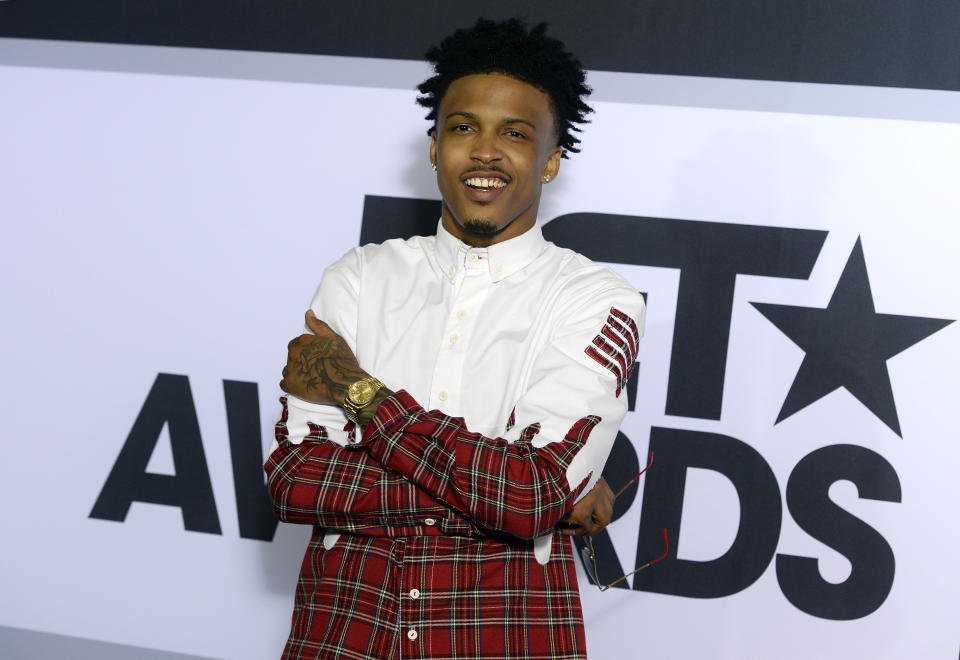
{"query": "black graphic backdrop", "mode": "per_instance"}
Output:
(796, 382)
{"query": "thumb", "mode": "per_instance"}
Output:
(316, 325)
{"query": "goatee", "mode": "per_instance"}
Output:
(480, 227)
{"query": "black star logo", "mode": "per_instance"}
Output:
(847, 344)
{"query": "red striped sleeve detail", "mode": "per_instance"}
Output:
(618, 342)
(630, 356)
(605, 362)
(622, 330)
(610, 350)
(634, 336)
(617, 339)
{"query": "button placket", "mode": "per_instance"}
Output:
(417, 619)
(411, 619)
(470, 292)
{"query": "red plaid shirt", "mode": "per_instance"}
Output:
(423, 577)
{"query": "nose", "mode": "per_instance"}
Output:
(486, 147)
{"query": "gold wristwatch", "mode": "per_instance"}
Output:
(359, 394)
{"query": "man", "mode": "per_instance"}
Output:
(482, 373)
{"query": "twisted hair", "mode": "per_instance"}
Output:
(510, 48)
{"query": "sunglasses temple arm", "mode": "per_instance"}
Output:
(639, 474)
(624, 577)
(640, 568)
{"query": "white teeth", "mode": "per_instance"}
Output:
(477, 182)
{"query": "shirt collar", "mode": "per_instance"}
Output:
(503, 259)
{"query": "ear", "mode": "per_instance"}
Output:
(433, 148)
(552, 166)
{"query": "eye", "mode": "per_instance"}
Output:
(461, 128)
(513, 133)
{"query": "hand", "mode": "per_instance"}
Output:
(591, 514)
(320, 367)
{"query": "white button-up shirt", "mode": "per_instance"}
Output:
(519, 333)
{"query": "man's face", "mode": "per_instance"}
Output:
(495, 141)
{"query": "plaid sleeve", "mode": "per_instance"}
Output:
(319, 482)
(511, 487)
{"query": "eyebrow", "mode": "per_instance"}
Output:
(508, 120)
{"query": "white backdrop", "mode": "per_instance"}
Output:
(159, 223)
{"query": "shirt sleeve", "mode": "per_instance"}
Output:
(319, 482)
(566, 423)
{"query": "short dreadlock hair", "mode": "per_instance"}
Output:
(508, 47)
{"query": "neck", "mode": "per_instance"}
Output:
(512, 230)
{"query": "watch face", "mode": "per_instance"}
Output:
(361, 392)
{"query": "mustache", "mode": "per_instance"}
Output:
(487, 168)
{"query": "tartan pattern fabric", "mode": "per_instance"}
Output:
(436, 469)
(480, 592)
(436, 597)
(507, 487)
(322, 483)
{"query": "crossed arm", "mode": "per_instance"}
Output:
(431, 461)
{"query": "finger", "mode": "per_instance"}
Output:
(603, 512)
(600, 521)
(586, 527)
(606, 507)
(569, 525)
(572, 529)
(315, 324)
(603, 489)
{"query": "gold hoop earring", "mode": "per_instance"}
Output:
(546, 178)
(433, 165)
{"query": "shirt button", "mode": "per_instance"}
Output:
(461, 314)
(454, 339)
(430, 521)
(499, 270)
(412, 635)
(453, 270)
(473, 257)
(414, 594)
(442, 396)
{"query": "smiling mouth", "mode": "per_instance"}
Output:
(483, 183)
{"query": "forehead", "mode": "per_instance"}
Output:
(495, 96)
